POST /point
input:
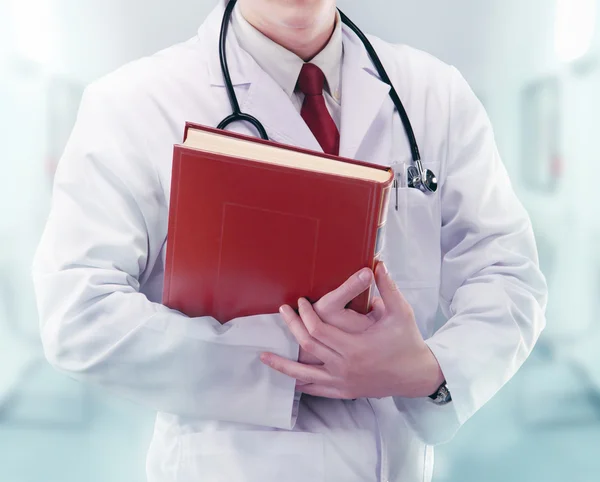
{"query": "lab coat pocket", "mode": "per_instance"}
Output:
(248, 456)
(412, 245)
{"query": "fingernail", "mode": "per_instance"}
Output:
(285, 310)
(365, 275)
(384, 268)
(264, 358)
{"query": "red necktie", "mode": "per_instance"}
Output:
(314, 111)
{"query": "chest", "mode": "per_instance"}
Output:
(412, 237)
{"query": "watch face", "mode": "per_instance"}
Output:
(443, 396)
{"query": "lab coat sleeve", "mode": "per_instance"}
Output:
(492, 290)
(107, 210)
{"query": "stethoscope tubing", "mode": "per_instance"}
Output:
(421, 178)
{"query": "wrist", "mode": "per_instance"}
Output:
(432, 376)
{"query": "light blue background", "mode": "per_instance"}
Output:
(543, 426)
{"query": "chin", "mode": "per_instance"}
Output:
(301, 14)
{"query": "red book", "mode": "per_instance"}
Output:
(254, 225)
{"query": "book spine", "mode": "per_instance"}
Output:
(172, 221)
(383, 213)
(186, 130)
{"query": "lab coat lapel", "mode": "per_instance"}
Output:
(268, 102)
(363, 95)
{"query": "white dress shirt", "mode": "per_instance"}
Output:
(285, 66)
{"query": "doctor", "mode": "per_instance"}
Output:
(326, 394)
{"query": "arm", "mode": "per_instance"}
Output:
(492, 290)
(106, 226)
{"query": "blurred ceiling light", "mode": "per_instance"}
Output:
(574, 28)
(33, 29)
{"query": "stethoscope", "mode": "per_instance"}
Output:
(416, 175)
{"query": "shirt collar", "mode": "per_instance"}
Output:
(284, 66)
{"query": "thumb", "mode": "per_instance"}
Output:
(377, 310)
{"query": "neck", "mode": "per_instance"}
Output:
(305, 37)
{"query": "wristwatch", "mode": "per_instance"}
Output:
(442, 395)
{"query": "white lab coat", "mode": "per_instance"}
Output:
(222, 414)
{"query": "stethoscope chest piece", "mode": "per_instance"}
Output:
(422, 179)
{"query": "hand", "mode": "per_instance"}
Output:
(331, 308)
(390, 358)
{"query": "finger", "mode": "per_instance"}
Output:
(390, 294)
(329, 335)
(337, 299)
(325, 391)
(377, 310)
(304, 373)
(304, 339)
(351, 322)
